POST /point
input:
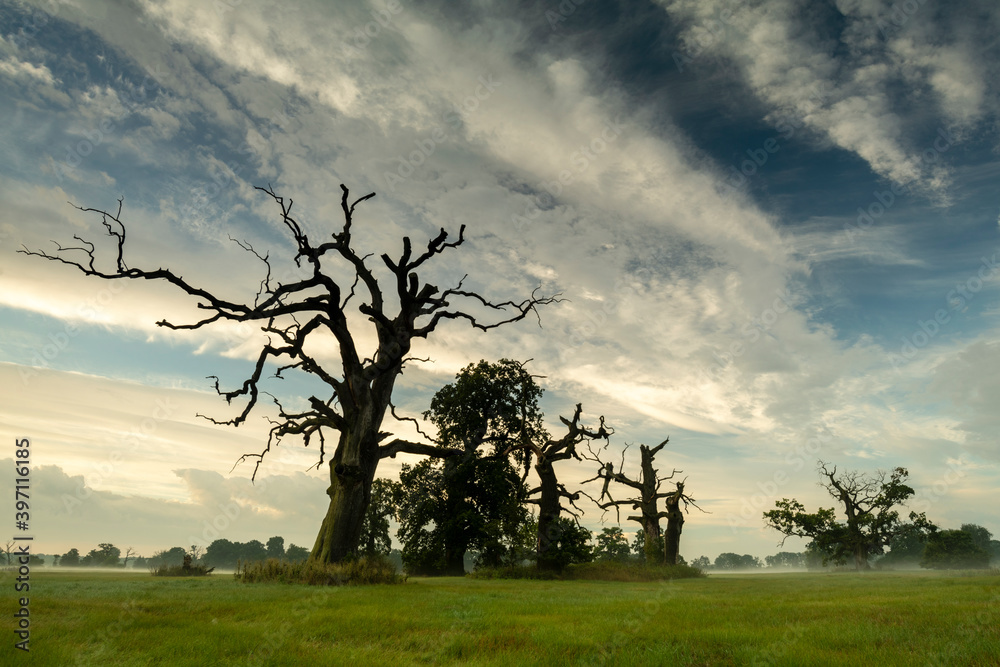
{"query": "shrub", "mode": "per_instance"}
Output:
(360, 571)
(186, 569)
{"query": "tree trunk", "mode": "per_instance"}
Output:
(675, 523)
(454, 563)
(861, 558)
(651, 536)
(548, 517)
(352, 471)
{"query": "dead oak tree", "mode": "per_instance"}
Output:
(312, 304)
(647, 502)
(549, 490)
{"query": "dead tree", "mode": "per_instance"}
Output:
(307, 306)
(549, 490)
(647, 502)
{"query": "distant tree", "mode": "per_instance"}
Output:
(732, 561)
(296, 553)
(129, 553)
(222, 554)
(55, 561)
(71, 558)
(375, 538)
(139, 562)
(105, 555)
(868, 503)
(173, 557)
(8, 549)
(701, 562)
(786, 559)
(906, 547)
(980, 536)
(612, 545)
(196, 552)
(35, 560)
(954, 550)
(275, 547)
(254, 550)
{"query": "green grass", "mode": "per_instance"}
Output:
(119, 618)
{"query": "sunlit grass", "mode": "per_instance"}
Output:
(782, 619)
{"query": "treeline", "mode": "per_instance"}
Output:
(221, 554)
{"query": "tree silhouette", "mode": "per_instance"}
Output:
(549, 491)
(313, 303)
(657, 548)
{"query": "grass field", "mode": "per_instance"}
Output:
(117, 618)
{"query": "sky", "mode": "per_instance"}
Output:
(773, 225)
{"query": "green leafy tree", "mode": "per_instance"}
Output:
(173, 557)
(906, 546)
(786, 559)
(612, 545)
(296, 553)
(569, 543)
(375, 538)
(868, 502)
(954, 550)
(981, 537)
(732, 561)
(275, 547)
(221, 554)
(105, 555)
(254, 550)
(474, 500)
(701, 562)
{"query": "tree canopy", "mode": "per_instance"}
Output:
(954, 550)
(868, 503)
(474, 500)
